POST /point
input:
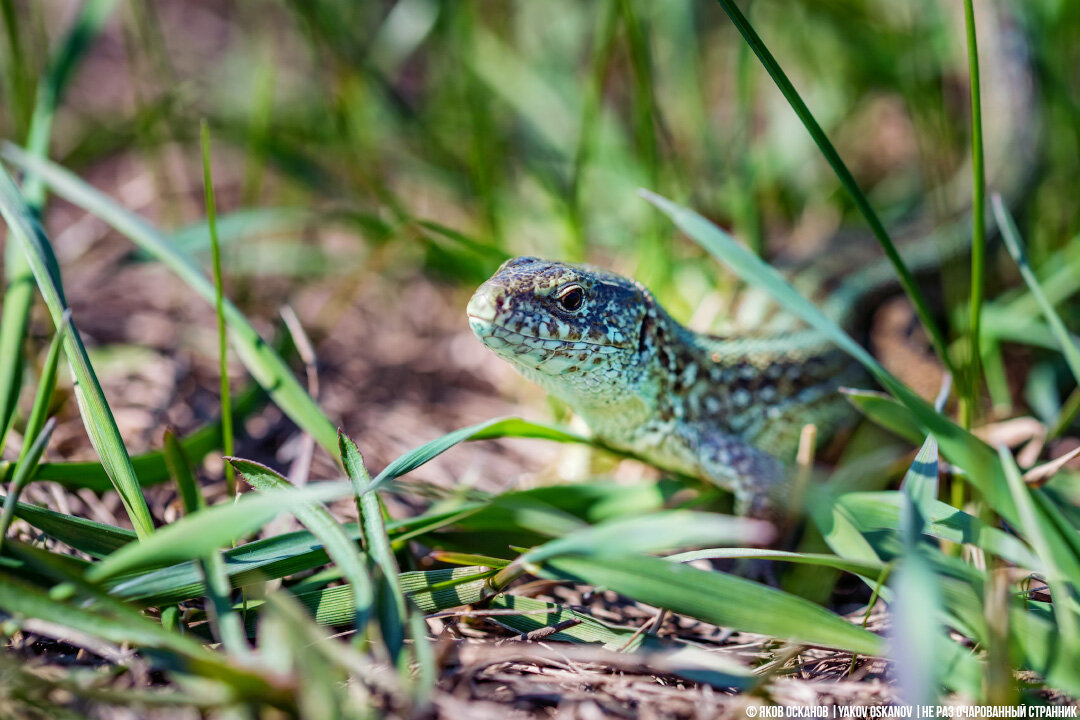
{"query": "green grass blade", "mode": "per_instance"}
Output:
(1016, 249)
(886, 412)
(97, 417)
(430, 591)
(390, 607)
(264, 364)
(219, 309)
(920, 488)
(715, 597)
(23, 472)
(654, 533)
(978, 211)
(499, 427)
(846, 178)
(226, 622)
(39, 412)
(917, 636)
(855, 567)
(1060, 560)
(872, 512)
(338, 544)
(537, 614)
(193, 536)
(93, 538)
(180, 469)
(14, 320)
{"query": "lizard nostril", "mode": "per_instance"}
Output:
(482, 306)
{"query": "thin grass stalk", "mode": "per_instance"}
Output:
(390, 606)
(604, 44)
(227, 441)
(16, 71)
(180, 468)
(46, 386)
(23, 472)
(846, 178)
(969, 406)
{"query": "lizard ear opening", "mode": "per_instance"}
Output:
(645, 333)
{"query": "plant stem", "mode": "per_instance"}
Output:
(978, 234)
(219, 307)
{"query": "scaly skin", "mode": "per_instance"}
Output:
(729, 410)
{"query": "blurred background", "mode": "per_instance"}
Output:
(375, 161)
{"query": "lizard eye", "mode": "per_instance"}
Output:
(572, 298)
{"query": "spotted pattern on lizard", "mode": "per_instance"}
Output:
(727, 409)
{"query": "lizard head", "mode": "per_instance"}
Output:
(577, 330)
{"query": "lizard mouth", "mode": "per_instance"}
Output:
(498, 337)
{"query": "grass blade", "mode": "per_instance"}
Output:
(715, 597)
(846, 178)
(193, 536)
(339, 546)
(654, 533)
(390, 605)
(499, 427)
(227, 443)
(978, 204)
(46, 386)
(1062, 564)
(93, 538)
(97, 417)
(264, 364)
(23, 472)
(180, 469)
(1016, 249)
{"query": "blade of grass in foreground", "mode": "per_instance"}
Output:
(193, 536)
(121, 624)
(391, 608)
(718, 598)
(316, 518)
(225, 622)
(264, 364)
(846, 178)
(23, 471)
(97, 417)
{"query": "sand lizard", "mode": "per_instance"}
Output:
(726, 409)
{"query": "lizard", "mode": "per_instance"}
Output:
(727, 409)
